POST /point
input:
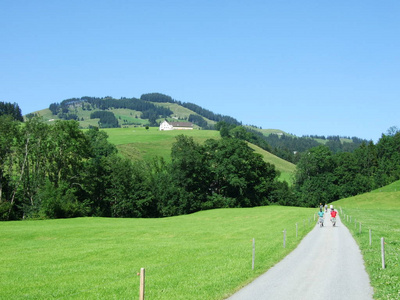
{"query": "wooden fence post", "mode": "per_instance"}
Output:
(284, 238)
(370, 238)
(254, 254)
(383, 252)
(142, 281)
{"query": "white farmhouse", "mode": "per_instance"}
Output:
(165, 125)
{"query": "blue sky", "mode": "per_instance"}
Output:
(305, 67)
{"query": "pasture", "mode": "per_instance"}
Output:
(141, 143)
(206, 255)
(378, 211)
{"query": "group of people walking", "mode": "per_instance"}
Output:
(333, 213)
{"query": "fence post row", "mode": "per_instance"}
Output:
(370, 240)
(254, 249)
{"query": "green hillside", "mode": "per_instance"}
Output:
(135, 142)
(126, 117)
(267, 132)
(141, 143)
(286, 168)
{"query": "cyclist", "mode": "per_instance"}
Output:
(321, 217)
(333, 216)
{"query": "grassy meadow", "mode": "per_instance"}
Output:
(378, 211)
(141, 143)
(206, 255)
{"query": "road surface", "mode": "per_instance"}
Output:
(326, 265)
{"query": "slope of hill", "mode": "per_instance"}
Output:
(125, 117)
(139, 143)
(147, 143)
(286, 168)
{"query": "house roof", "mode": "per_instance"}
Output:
(181, 124)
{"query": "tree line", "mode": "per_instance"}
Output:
(60, 171)
(323, 176)
(149, 110)
(11, 109)
(329, 172)
(205, 113)
(287, 147)
(107, 119)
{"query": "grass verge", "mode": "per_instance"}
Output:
(379, 212)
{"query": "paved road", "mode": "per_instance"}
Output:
(326, 265)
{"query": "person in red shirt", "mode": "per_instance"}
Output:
(333, 216)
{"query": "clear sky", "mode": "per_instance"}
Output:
(305, 67)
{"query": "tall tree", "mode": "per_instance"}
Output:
(314, 178)
(240, 177)
(9, 131)
(11, 109)
(189, 172)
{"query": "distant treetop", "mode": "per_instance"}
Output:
(11, 109)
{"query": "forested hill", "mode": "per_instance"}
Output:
(149, 110)
(152, 108)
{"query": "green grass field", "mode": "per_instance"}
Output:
(378, 211)
(206, 255)
(141, 143)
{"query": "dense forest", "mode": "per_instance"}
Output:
(60, 171)
(285, 146)
(336, 170)
(323, 176)
(107, 119)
